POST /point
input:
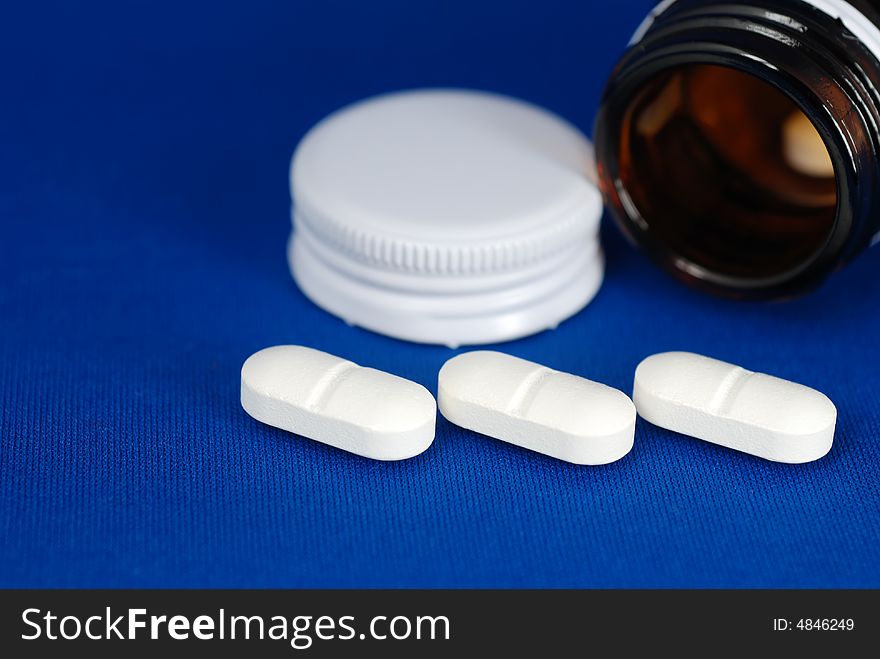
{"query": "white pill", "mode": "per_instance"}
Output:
(803, 147)
(728, 405)
(334, 401)
(531, 406)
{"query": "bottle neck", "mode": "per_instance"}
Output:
(829, 68)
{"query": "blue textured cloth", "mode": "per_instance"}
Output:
(143, 195)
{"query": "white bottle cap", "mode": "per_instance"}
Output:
(448, 217)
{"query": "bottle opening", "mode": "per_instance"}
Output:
(728, 173)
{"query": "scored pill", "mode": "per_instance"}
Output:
(724, 404)
(360, 410)
(534, 407)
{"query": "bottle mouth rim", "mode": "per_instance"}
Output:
(640, 67)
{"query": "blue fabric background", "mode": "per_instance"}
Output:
(143, 195)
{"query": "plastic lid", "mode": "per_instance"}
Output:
(450, 217)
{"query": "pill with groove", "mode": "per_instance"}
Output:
(537, 408)
(724, 404)
(360, 410)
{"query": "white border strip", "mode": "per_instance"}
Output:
(853, 20)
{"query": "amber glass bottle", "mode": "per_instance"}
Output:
(737, 142)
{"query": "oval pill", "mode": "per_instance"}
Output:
(804, 149)
(537, 408)
(360, 410)
(727, 405)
